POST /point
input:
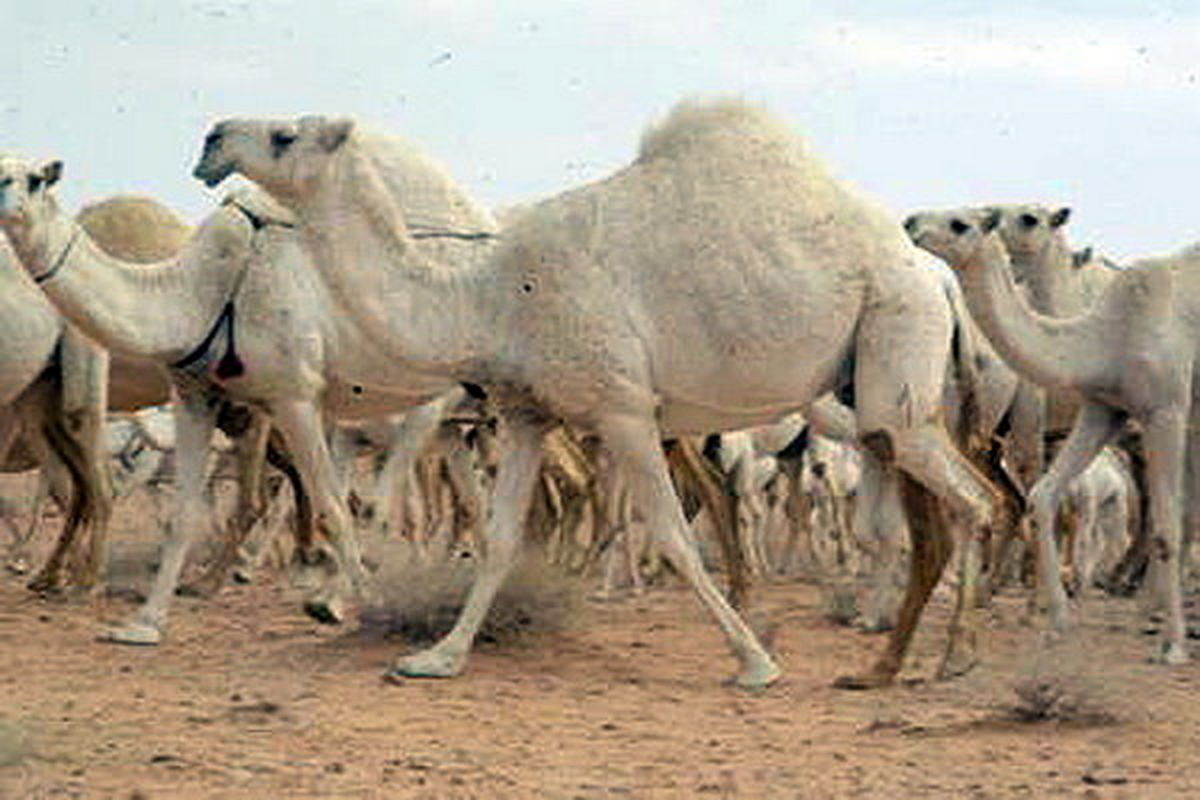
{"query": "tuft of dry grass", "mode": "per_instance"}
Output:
(420, 600)
(1062, 684)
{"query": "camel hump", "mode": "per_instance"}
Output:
(260, 204)
(134, 228)
(700, 122)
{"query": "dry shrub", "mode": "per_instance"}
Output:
(420, 600)
(1062, 683)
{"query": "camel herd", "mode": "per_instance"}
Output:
(721, 283)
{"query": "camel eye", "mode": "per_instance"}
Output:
(1029, 220)
(280, 142)
(959, 227)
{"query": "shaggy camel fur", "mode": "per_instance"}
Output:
(722, 280)
(1132, 355)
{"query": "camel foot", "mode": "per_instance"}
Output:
(327, 611)
(957, 664)
(758, 676)
(242, 574)
(431, 663)
(875, 679)
(17, 566)
(44, 583)
(141, 634)
(1171, 654)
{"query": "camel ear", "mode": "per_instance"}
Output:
(1060, 217)
(333, 133)
(1081, 257)
(990, 221)
(50, 172)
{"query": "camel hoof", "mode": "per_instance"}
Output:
(1171, 654)
(44, 584)
(17, 566)
(326, 612)
(426, 664)
(956, 666)
(141, 634)
(758, 676)
(242, 575)
(860, 683)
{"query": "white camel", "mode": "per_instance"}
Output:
(1102, 499)
(59, 413)
(722, 280)
(239, 314)
(1131, 355)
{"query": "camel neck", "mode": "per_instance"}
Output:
(428, 316)
(1051, 279)
(1045, 350)
(156, 311)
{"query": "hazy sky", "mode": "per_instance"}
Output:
(1094, 104)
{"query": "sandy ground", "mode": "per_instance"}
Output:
(248, 699)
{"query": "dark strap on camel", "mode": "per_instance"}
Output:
(62, 259)
(230, 365)
(463, 235)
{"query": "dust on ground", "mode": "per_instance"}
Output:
(247, 698)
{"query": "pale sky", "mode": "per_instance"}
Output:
(1093, 104)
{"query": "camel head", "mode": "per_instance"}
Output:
(25, 197)
(1028, 228)
(282, 156)
(955, 235)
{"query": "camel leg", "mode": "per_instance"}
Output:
(1191, 511)
(300, 423)
(1164, 436)
(877, 524)
(63, 480)
(932, 546)
(633, 443)
(194, 423)
(715, 493)
(518, 473)
(250, 450)
(1094, 427)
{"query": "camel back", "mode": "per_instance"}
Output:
(134, 228)
(715, 182)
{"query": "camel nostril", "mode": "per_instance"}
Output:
(910, 224)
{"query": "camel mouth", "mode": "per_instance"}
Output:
(211, 177)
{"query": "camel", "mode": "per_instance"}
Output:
(1131, 356)
(722, 280)
(88, 382)
(236, 315)
(1102, 498)
(140, 230)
